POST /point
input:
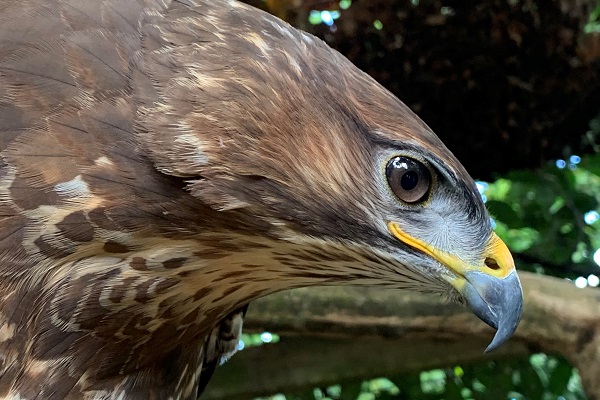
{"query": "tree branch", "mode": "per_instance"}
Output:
(334, 334)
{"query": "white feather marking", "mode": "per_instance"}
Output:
(7, 331)
(259, 42)
(76, 187)
(281, 29)
(238, 322)
(307, 38)
(192, 147)
(14, 396)
(104, 162)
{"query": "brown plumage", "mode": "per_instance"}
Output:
(163, 163)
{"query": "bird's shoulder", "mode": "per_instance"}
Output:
(74, 178)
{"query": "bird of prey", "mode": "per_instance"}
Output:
(165, 162)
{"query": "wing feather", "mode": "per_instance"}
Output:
(69, 168)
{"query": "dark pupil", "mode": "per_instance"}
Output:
(409, 180)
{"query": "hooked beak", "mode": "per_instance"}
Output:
(492, 291)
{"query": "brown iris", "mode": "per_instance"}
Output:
(409, 179)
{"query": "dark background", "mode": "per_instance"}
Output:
(505, 84)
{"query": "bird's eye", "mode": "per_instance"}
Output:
(409, 179)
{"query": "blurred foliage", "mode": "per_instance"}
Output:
(593, 24)
(538, 377)
(550, 217)
(257, 339)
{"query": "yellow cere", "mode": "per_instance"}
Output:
(499, 261)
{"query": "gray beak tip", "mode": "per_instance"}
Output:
(496, 301)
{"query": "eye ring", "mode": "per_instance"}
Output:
(410, 180)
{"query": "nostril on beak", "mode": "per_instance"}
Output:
(491, 264)
(497, 261)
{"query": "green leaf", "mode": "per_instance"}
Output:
(528, 177)
(350, 391)
(502, 211)
(559, 377)
(591, 163)
(453, 390)
(584, 202)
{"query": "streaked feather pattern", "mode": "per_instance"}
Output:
(163, 163)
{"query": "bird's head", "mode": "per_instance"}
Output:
(271, 127)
